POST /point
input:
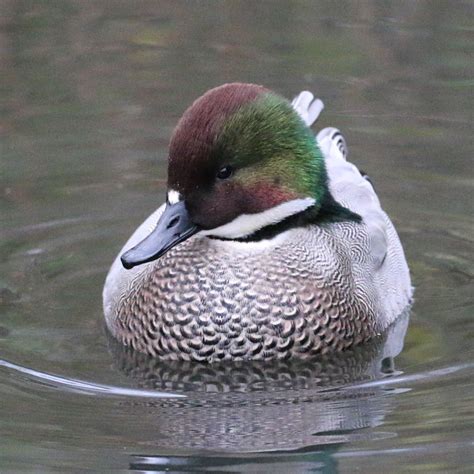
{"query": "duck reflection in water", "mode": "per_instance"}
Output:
(254, 408)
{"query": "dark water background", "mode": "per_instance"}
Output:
(89, 94)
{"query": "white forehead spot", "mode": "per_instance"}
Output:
(247, 224)
(173, 196)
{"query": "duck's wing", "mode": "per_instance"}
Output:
(381, 250)
(119, 281)
(352, 189)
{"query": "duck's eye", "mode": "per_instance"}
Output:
(225, 172)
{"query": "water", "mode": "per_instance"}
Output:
(89, 97)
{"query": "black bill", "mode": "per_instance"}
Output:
(173, 227)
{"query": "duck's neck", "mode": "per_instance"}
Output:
(329, 211)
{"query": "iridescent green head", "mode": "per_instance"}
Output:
(241, 160)
(241, 149)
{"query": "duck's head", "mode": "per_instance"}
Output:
(240, 160)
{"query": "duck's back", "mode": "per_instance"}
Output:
(385, 263)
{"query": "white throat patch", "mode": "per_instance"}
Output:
(247, 224)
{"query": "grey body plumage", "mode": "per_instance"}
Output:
(210, 300)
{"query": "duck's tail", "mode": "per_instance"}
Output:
(308, 107)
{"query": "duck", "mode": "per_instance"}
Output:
(270, 245)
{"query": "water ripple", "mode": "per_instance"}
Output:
(82, 387)
(418, 377)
